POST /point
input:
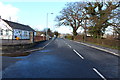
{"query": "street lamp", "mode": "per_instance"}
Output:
(47, 26)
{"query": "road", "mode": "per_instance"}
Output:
(63, 58)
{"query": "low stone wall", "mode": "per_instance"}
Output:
(13, 42)
(17, 47)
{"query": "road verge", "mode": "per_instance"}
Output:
(111, 51)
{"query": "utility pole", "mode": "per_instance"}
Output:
(47, 26)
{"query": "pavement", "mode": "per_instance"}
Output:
(62, 58)
(7, 61)
(24, 52)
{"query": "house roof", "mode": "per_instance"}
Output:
(15, 25)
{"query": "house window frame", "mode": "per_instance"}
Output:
(25, 33)
(7, 32)
(20, 33)
(1, 32)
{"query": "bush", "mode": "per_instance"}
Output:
(69, 37)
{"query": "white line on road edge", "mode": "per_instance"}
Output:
(78, 53)
(98, 48)
(47, 44)
(39, 48)
(99, 74)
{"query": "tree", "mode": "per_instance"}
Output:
(44, 31)
(56, 33)
(49, 32)
(116, 21)
(72, 15)
(99, 15)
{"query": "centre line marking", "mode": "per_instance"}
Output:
(69, 45)
(99, 74)
(78, 53)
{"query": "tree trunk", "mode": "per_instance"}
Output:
(119, 36)
(74, 33)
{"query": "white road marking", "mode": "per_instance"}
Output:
(78, 53)
(39, 48)
(66, 43)
(69, 46)
(47, 44)
(99, 74)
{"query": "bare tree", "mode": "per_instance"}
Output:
(116, 21)
(72, 15)
(100, 15)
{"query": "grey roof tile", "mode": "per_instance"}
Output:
(15, 25)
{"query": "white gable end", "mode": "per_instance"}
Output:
(5, 30)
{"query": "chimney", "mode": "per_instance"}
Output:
(9, 18)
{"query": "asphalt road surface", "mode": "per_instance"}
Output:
(63, 58)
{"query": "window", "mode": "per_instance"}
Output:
(25, 33)
(7, 32)
(1, 32)
(19, 32)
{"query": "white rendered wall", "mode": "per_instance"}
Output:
(22, 34)
(4, 27)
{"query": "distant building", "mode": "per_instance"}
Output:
(40, 36)
(12, 30)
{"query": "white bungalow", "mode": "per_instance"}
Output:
(11, 30)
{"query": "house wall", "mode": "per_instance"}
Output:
(5, 30)
(22, 34)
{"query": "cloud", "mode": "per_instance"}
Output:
(64, 29)
(8, 11)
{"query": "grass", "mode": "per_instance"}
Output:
(108, 43)
(103, 45)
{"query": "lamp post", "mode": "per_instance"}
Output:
(47, 26)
